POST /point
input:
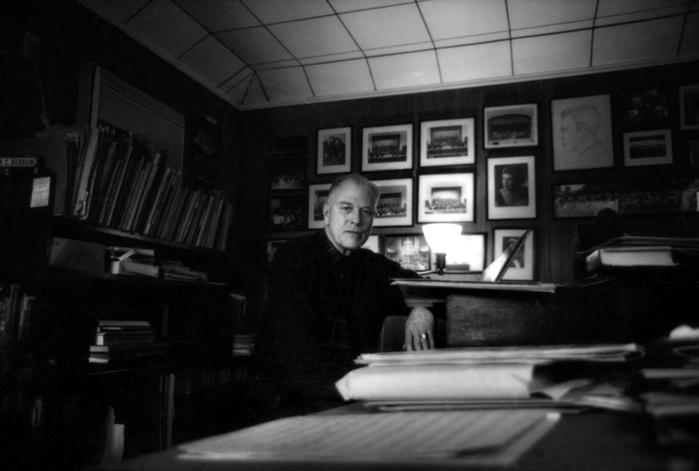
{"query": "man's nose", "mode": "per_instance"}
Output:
(355, 216)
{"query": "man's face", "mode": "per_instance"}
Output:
(348, 216)
(508, 181)
(569, 134)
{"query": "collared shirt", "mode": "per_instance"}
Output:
(325, 308)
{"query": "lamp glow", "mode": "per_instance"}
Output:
(441, 237)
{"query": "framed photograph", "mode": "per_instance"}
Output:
(582, 133)
(468, 256)
(372, 243)
(522, 267)
(395, 206)
(410, 251)
(286, 213)
(387, 148)
(272, 246)
(510, 126)
(446, 197)
(287, 174)
(334, 150)
(511, 188)
(647, 148)
(689, 107)
(447, 142)
(317, 196)
(642, 107)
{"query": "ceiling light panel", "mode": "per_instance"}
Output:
(637, 42)
(559, 52)
(315, 37)
(456, 19)
(385, 27)
(166, 28)
(285, 85)
(353, 5)
(219, 15)
(272, 11)
(475, 62)
(212, 61)
(405, 70)
(348, 77)
(254, 45)
(114, 12)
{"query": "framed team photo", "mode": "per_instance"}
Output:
(511, 188)
(409, 250)
(387, 148)
(317, 196)
(395, 205)
(522, 267)
(446, 197)
(285, 213)
(648, 148)
(447, 142)
(510, 126)
(334, 150)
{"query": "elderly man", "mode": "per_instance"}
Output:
(328, 297)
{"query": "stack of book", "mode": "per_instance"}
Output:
(644, 251)
(176, 270)
(123, 340)
(132, 261)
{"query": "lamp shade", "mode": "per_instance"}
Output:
(441, 237)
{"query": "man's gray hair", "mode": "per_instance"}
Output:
(359, 180)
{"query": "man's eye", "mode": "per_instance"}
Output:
(367, 212)
(346, 209)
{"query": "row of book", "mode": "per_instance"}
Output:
(124, 340)
(16, 312)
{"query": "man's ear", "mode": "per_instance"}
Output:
(326, 210)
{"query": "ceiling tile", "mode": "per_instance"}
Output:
(212, 60)
(255, 94)
(286, 85)
(353, 5)
(637, 42)
(532, 13)
(386, 27)
(648, 8)
(254, 45)
(405, 70)
(114, 12)
(271, 11)
(316, 37)
(219, 15)
(349, 77)
(552, 52)
(690, 40)
(448, 19)
(475, 62)
(166, 28)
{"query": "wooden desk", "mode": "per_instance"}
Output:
(593, 440)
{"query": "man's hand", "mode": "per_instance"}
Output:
(419, 329)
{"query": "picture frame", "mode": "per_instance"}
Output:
(689, 107)
(411, 251)
(272, 246)
(334, 154)
(395, 205)
(287, 174)
(648, 147)
(511, 187)
(510, 126)
(317, 196)
(285, 213)
(373, 243)
(468, 256)
(447, 142)
(446, 197)
(644, 107)
(582, 133)
(522, 268)
(387, 147)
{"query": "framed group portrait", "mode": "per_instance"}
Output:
(387, 148)
(447, 142)
(285, 213)
(446, 197)
(648, 147)
(334, 150)
(510, 126)
(511, 187)
(522, 267)
(287, 174)
(395, 205)
(582, 133)
(317, 196)
(411, 251)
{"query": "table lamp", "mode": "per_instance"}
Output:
(441, 237)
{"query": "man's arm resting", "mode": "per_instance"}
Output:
(419, 329)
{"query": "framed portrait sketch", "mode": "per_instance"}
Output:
(387, 148)
(372, 243)
(317, 196)
(395, 205)
(287, 173)
(285, 213)
(511, 188)
(334, 150)
(582, 133)
(648, 147)
(522, 267)
(447, 142)
(468, 256)
(410, 251)
(446, 197)
(510, 126)
(272, 246)
(689, 107)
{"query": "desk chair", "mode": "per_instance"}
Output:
(393, 334)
